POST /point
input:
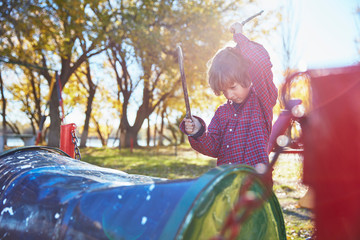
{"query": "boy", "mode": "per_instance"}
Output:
(240, 129)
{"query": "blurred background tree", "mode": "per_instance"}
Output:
(135, 41)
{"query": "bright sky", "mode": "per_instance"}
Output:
(327, 31)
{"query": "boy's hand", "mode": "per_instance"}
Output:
(236, 28)
(192, 126)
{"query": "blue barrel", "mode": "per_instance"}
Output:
(45, 194)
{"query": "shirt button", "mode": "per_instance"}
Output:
(230, 130)
(227, 146)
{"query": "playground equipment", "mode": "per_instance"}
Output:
(331, 142)
(331, 135)
(45, 194)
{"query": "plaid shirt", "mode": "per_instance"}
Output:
(240, 135)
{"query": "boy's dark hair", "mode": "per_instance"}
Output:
(226, 67)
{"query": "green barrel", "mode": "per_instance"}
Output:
(202, 210)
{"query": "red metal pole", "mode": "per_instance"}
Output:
(66, 139)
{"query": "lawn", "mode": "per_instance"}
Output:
(183, 162)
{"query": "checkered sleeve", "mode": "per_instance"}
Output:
(260, 71)
(210, 141)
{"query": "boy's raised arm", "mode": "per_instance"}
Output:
(260, 67)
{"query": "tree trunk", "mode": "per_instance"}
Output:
(55, 121)
(37, 101)
(155, 135)
(148, 134)
(161, 132)
(131, 132)
(85, 132)
(131, 138)
(122, 138)
(92, 91)
(3, 113)
(100, 135)
(182, 137)
(173, 129)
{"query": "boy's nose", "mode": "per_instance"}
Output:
(228, 95)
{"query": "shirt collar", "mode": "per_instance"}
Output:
(238, 106)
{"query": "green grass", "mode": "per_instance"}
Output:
(186, 163)
(289, 189)
(154, 162)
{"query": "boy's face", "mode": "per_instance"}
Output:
(235, 92)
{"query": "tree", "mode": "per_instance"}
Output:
(299, 87)
(288, 32)
(290, 28)
(140, 38)
(144, 58)
(103, 121)
(27, 91)
(51, 33)
(90, 87)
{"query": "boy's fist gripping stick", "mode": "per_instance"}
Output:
(183, 81)
(192, 125)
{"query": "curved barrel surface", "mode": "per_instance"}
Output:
(45, 194)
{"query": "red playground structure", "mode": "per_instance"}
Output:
(332, 151)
